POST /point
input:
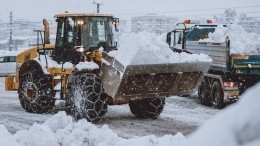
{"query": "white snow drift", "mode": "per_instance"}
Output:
(241, 42)
(237, 125)
(146, 48)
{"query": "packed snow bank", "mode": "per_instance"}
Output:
(61, 130)
(241, 42)
(6, 138)
(237, 125)
(147, 48)
(53, 64)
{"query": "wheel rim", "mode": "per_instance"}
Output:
(31, 92)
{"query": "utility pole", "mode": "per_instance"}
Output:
(98, 4)
(11, 32)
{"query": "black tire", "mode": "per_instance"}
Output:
(217, 95)
(147, 107)
(86, 96)
(187, 95)
(35, 88)
(204, 93)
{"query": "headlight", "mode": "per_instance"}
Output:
(79, 49)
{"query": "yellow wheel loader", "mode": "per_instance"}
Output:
(88, 79)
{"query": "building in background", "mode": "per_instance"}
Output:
(250, 24)
(23, 35)
(153, 23)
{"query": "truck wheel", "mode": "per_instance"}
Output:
(147, 107)
(218, 96)
(86, 96)
(204, 93)
(35, 88)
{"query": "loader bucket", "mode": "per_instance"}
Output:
(142, 81)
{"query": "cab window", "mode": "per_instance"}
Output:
(7, 59)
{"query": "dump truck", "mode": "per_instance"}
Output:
(230, 74)
(80, 69)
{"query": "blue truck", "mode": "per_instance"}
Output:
(229, 74)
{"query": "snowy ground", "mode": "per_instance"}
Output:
(181, 114)
(236, 125)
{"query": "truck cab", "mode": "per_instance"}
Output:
(191, 30)
(230, 74)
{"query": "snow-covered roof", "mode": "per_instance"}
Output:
(9, 53)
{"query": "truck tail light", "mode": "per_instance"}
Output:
(230, 86)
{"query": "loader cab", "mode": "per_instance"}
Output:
(87, 31)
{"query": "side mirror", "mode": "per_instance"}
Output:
(115, 22)
(168, 38)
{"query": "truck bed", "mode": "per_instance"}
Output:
(216, 51)
(223, 60)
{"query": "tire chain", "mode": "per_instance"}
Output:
(147, 107)
(86, 96)
(41, 103)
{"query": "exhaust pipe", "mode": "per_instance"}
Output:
(46, 31)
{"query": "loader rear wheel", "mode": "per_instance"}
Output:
(35, 88)
(204, 93)
(147, 107)
(218, 96)
(86, 96)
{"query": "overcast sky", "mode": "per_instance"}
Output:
(124, 9)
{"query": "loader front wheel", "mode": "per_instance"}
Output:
(147, 107)
(86, 96)
(34, 88)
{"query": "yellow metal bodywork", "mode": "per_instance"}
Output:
(58, 74)
(12, 83)
(9, 83)
(245, 57)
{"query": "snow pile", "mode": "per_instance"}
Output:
(61, 130)
(87, 65)
(51, 63)
(241, 42)
(238, 125)
(147, 48)
(6, 138)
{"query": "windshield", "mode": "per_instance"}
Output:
(97, 30)
(199, 33)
